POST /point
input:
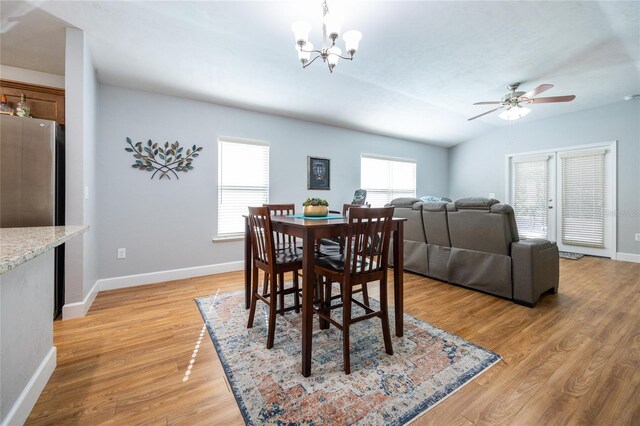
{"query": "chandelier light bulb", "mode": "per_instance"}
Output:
(334, 55)
(301, 30)
(332, 23)
(351, 41)
(302, 55)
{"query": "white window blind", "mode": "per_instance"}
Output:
(583, 198)
(243, 180)
(531, 196)
(386, 179)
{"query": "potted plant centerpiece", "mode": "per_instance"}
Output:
(315, 207)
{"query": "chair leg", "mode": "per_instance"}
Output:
(281, 295)
(327, 293)
(325, 296)
(346, 322)
(296, 295)
(254, 297)
(365, 294)
(386, 332)
(265, 286)
(272, 312)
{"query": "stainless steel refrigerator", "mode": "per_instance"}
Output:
(32, 181)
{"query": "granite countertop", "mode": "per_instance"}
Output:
(18, 245)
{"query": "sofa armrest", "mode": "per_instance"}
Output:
(535, 269)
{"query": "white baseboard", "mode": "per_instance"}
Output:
(80, 309)
(170, 275)
(628, 257)
(29, 396)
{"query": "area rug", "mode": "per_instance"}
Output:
(570, 255)
(428, 365)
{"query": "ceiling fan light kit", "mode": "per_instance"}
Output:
(514, 112)
(330, 53)
(515, 101)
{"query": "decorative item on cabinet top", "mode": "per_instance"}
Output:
(165, 159)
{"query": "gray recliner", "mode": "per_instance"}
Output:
(474, 242)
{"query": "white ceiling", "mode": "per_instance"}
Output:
(420, 66)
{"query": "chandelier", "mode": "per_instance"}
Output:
(330, 53)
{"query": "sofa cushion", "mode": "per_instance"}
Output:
(406, 202)
(480, 230)
(475, 203)
(436, 226)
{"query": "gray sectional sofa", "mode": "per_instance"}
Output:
(473, 242)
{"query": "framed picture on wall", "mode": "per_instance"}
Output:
(318, 173)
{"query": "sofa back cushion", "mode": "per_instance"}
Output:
(486, 226)
(436, 227)
(413, 228)
(403, 202)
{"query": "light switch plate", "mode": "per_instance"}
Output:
(637, 237)
(122, 253)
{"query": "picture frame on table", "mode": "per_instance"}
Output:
(318, 173)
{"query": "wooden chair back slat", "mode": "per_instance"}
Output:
(261, 234)
(282, 241)
(368, 240)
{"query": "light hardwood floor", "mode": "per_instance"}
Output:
(574, 359)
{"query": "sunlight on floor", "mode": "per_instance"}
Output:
(194, 354)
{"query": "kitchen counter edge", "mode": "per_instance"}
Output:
(19, 245)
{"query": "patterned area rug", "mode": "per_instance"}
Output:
(428, 365)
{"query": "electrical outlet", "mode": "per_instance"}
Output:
(492, 195)
(637, 237)
(122, 253)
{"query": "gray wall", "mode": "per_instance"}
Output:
(26, 325)
(81, 139)
(477, 167)
(170, 224)
(90, 131)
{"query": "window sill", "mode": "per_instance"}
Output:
(228, 239)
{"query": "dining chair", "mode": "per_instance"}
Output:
(283, 243)
(365, 259)
(274, 264)
(335, 245)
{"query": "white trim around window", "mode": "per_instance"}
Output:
(243, 180)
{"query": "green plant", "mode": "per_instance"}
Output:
(168, 159)
(315, 202)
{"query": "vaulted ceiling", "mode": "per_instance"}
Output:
(419, 69)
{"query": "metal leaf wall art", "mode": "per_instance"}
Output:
(166, 160)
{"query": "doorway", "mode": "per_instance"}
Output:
(566, 195)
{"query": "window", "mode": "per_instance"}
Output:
(243, 180)
(386, 179)
(583, 198)
(531, 196)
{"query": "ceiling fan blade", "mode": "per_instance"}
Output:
(488, 103)
(542, 88)
(484, 113)
(552, 99)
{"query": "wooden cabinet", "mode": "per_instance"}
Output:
(45, 102)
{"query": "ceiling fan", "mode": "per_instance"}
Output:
(515, 100)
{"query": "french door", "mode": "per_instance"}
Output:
(566, 196)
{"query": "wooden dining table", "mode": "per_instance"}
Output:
(309, 231)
